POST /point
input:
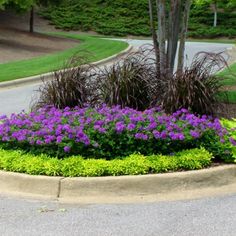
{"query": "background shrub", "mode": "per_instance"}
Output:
(196, 88)
(68, 87)
(132, 18)
(130, 82)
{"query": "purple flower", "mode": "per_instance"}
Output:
(82, 126)
(141, 136)
(156, 134)
(152, 125)
(176, 136)
(67, 149)
(194, 134)
(39, 142)
(131, 126)
(120, 127)
(102, 130)
(233, 141)
(59, 139)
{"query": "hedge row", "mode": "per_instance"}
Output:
(75, 166)
(132, 18)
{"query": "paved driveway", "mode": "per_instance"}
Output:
(18, 99)
(191, 48)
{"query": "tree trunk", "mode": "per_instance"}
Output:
(183, 34)
(215, 8)
(173, 33)
(31, 26)
(154, 37)
(161, 13)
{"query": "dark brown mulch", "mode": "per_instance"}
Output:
(227, 111)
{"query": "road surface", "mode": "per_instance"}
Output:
(205, 217)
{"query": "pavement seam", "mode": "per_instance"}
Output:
(59, 188)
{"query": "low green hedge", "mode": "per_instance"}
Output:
(75, 166)
(230, 125)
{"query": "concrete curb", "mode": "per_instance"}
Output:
(47, 76)
(232, 55)
(122, 189)
(27, 184)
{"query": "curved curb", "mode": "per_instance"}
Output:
(46, 76)
(122, 189)
(232, 55)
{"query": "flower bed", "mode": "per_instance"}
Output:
(113, 132)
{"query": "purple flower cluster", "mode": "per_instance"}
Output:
(69, 127)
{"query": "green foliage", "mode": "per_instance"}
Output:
(105, 17)
(97, 48)
(230, 125)
(132, 18)
(135, 164)
(221, 151)
(212, 32)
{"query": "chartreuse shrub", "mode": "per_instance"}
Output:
(231, 127)
(135, 164)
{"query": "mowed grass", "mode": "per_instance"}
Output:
(230, 80)
(94, 48)
(229, 75)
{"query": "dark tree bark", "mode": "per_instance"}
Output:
(161, 13)
(173, 33)
(183, 34)
(31, 23)
(176, 21)
(154, 37)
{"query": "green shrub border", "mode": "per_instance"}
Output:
(77, 166)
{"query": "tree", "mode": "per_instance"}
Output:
(183, 34)
(27, 5)
(3, 3)
(154, 36)
(172, 26)
(231, 4)
(216, 5)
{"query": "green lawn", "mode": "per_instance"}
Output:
(95, 48)
(230, 80)
(230, 75)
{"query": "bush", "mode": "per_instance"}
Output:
(212, 32)
(231, 127)
(70, 86)
(195, 88)
(130, 82)
(131, 17)
(75, 166)
(112, 132)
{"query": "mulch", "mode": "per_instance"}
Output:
(16, 43)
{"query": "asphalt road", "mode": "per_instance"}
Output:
(206, 217)
(18, 99)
